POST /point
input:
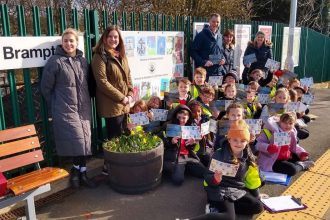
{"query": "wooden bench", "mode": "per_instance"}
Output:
(20, 147)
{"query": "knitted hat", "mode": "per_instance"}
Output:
(239, 129)
(233, 74)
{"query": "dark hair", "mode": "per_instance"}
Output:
(100, 44)
(208, 90)
(230, 32)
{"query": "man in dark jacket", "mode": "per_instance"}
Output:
(207, 49)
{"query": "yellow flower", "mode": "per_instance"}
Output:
(139, 129)
(144, 140)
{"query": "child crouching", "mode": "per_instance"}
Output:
(229, 195)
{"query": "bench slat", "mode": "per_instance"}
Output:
(19, 132)
(21, 160)
(19, 146)
(35, 179)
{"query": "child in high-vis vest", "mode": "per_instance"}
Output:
(205, 97)
(288, 159)
(252, 106)
(199, 82)
(229, 195)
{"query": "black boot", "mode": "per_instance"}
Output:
(84, 180)
(74, 178)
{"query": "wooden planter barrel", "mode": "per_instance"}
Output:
(134, 173)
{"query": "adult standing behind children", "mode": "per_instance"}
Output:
(114, 88)
(207, 48)
(263, 51)
(228, 50)
(64, 86)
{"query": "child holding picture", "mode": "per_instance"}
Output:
(199, 81)
(205, 97)
(289, 158)
(179, 155)
(258, 75)
(230, 78)
(230, 93)
(203, 147)
(184, 95)
(234, 112)
(251, 105)
(229, 195)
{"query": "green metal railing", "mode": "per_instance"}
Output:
(314, 56)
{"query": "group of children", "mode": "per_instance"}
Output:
(233, 142)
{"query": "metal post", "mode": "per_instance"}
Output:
(289, 63)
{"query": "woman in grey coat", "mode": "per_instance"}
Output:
(64, 86)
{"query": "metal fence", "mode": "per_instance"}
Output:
(21, 102)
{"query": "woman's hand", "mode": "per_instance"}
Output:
(191, 141)
(208, 63)
(222, 62)
(175, 140)
(125, 101)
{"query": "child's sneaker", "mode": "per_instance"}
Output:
(209, 209)
(306, 164)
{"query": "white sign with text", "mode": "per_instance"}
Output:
(28, 52)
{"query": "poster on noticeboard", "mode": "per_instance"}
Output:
(242, 38)
(267, 31)
(154, 57)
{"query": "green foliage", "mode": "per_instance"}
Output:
(137, 141)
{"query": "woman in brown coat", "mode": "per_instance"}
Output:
(114, 88)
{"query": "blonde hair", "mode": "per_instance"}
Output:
(233, 106)
(70, 31)
(229, 86)
(201, 71)
(266, 42)
(285, 91)
(254, 85)
(288, 117)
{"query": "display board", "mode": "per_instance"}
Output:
(242, 38)
(154, 58)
